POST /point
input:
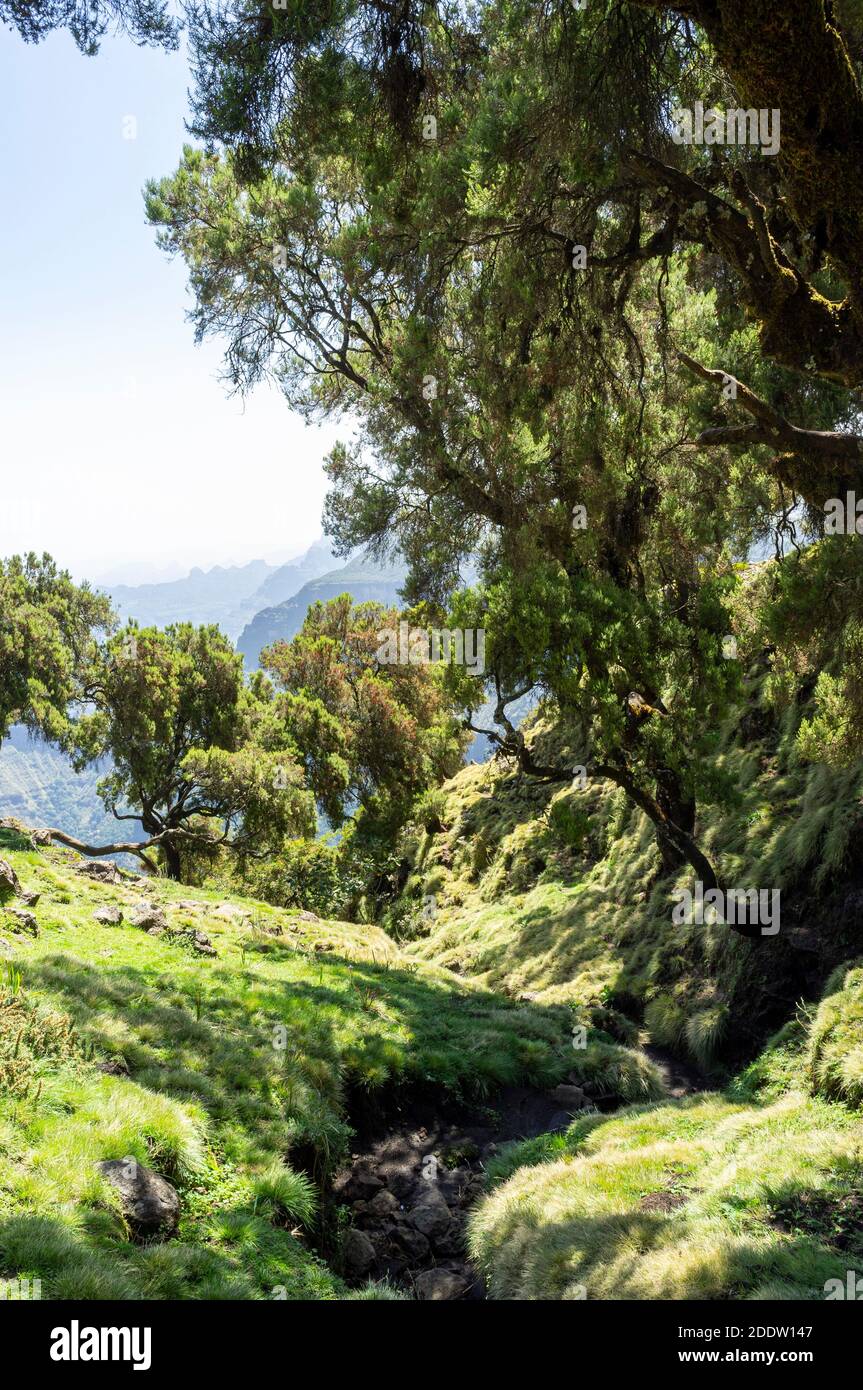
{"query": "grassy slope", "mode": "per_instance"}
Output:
(209, 1101)
(746, 1193)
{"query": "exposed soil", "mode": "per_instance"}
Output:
(413, 1177)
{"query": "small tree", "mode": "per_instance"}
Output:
(171, 714)
(47, 626)
(369, 732)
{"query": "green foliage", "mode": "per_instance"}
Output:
(47, 629)
(145, 21)
(834, 1055)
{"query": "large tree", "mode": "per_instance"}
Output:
(474, 228)
(369, 733)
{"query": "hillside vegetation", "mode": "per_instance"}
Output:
(229, 1075)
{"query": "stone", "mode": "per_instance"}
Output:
(108, 916)
(414, 1243)
(361, 1186)
(29, 898)
(308, 917)
(431, 1215)
(26, 920)
(359, 1253)
(148, 916)
(383, 1204)
(149, 1203)
(434, 1285)
(9, 885)
(114, 1067)
(103, 870)
(570, 1097)
(41, 837)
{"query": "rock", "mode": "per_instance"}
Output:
(109, 916)
(41, 837)
(148, 917)
(438, 1284)
(149, 1203)
(103, 870)
(383, 1204)
(308, 917)
(203, 944)
(414, 1243)
(570, 1097)
(431, 1215)
(188, 905)
(26, 919)
(9, 885)
(361, 1186)
(402, 1184)
(29, 898)
(359, 1253)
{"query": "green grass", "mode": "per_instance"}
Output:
(752, 1194)
(688, 1200)
(234, 1075)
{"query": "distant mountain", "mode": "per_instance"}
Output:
(211, 596)
(288, 579)
(227, 595)
(362, 579)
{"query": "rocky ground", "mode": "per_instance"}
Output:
(412, 1180)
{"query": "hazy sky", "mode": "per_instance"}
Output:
(119, 445)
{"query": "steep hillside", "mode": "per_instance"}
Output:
(551, 895)
(39, 786)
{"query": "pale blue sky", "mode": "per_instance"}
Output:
(119, 443)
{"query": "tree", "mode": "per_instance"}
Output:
(475, 229)
(48, 626)
(369, 732)
(145, 21)
(170, 711)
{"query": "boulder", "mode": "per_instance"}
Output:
(9, 884)
(359, 1253)
(361, 1186)
(570, 1097)
(29, 898)
(431, 1215)
(102, 870)
(108, 916)
(383, 1204)
(41, 837)
(149, 1203)
(148, 916)
(439, 1284)
(414, 1243)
